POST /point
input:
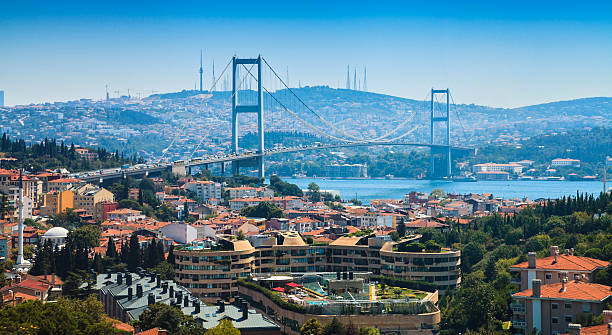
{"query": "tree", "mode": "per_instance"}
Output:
(85, 237)
(335, 327)
(164, 316)
(490, 270)
(472, 253)
(314, 192)
(111, 250)
(133, 253)
(240, 235)
(311, 327)
(401, 228)
(369, 331)
(394, 236)
(78, 317)
(165, 269)
(225, 327)
(263, 210)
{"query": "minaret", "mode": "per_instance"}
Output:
(348, 78)
(365, 80)
(107, 96)
(21, 262)
(355, 79)
(201, 70)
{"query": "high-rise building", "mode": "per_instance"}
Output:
(1, 98)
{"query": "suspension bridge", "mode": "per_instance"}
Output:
(245, 100)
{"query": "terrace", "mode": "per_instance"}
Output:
(342, 294)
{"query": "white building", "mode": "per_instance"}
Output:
(565, 162)
(495, 167)
(204, 189)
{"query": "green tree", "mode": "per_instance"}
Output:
(134, 259)
(311, 327)
(472, 253)
(263, 210)
(78, 317)
(165, 269)
(335, 327)
(164, 316)
(314, 192)
(225, 327)
(401, 227)
(85, 237)
(111, 250)
(369, 331)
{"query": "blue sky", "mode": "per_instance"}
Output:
(509, 54)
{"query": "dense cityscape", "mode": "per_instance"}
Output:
(321, 203)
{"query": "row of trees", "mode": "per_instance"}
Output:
(490, 245)
(335, 327)
(48, 154)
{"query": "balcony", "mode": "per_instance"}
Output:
(519, 324)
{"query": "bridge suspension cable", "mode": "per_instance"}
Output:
(330, 125)
(164, 151)
(240, 83)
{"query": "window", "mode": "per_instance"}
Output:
(586, 307)
(568, 306)
(555, 320)
(568, 318)
(548, 276)
(554, 306)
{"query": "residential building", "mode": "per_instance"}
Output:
(249, 192)
(212, 270)
(552, 308)
(88, 198)
(63, 184)
(204, 189)
(547, 269)
(4, 248)
(125, 297)
(56, 202)
(85, 154)
(125, 214)
(603, 329)
(104, 207)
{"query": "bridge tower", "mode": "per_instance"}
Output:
(237, 108)
(445, 119)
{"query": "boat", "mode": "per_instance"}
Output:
(464, 179)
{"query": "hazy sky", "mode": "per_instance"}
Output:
(511, 54)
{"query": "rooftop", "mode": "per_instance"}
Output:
(574, 290)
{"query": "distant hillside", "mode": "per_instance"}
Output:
(368, 115)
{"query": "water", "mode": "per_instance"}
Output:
(368, 189)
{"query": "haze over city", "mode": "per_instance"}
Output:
(503, 55)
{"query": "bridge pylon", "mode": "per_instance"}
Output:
(237, 108)
(444, 119)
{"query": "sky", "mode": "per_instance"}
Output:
(495, 53)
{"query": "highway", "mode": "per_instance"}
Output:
(145, 169)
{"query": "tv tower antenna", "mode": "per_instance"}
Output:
(201, 70)
(365, 80)
(348, 77)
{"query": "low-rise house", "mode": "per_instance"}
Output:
(552, 308)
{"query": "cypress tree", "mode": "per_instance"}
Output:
(111, 250)
(134, 254)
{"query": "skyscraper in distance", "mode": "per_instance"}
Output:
(1, 98)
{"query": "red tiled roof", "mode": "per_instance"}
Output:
(574, 290)
(565, 262)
